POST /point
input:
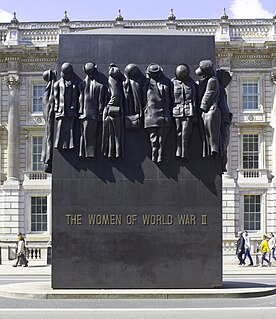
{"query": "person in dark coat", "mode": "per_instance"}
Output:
(240, 248)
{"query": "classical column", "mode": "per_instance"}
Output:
(13, 127)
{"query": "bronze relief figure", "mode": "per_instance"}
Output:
(112, 138)
(92, 101)
(158, 100)
(66, 107)
(185, 108)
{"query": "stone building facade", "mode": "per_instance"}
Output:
(247, 48)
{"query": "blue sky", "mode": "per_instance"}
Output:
(53, 10)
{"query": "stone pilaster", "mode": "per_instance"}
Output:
(13, 83)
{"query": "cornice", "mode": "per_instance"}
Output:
(251, 63)
(251, 124)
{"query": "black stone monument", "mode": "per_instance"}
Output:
(129, 222)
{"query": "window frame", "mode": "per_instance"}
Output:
(32, 154)
(253, 131)
(47, 217)
(263, 221)
(248, 95)
(255, 212)
(248, 154)
(32, 84)
(37, 132)
(259, 79)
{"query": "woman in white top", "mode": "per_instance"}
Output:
(21, 252)
(247, 247)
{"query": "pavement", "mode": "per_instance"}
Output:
(43, 290)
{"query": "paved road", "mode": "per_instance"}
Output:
(141, 313)
(253, 308)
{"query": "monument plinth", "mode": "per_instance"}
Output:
(136, 221)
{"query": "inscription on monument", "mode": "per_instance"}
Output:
(133, 219)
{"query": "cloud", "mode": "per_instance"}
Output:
(5, 16)
(248, 9)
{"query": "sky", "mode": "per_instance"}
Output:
(100, 10)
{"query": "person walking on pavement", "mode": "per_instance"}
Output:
(264, 250)
(240, 248)
(247, 248)
(271, 246)
(21, 252)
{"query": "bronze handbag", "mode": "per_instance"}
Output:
(132, 122)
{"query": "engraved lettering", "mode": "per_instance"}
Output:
(203, 219)
(74, 219)
(104, 219)
(186, 219)
(131, 219)
(157, 219)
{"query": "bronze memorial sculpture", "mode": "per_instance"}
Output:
(224, 79)
(209, 92)
(138, 161)
(132, 101)
(49, 115)
(92, 101)
(158, 109)
(113, 126)
(66, 95)
(133, 90)
(185, 108)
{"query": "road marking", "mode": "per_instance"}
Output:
(132, 309)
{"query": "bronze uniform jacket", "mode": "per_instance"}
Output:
(184, 102)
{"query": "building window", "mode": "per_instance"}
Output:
(250, 94)
(250, 154)
(38, 91)
(252, 212)
(39, 214)
(36, 153)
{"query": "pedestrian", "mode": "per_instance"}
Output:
(264, 250)
(240, 248)
(247, 248)
(271, 246)
(21, 252)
